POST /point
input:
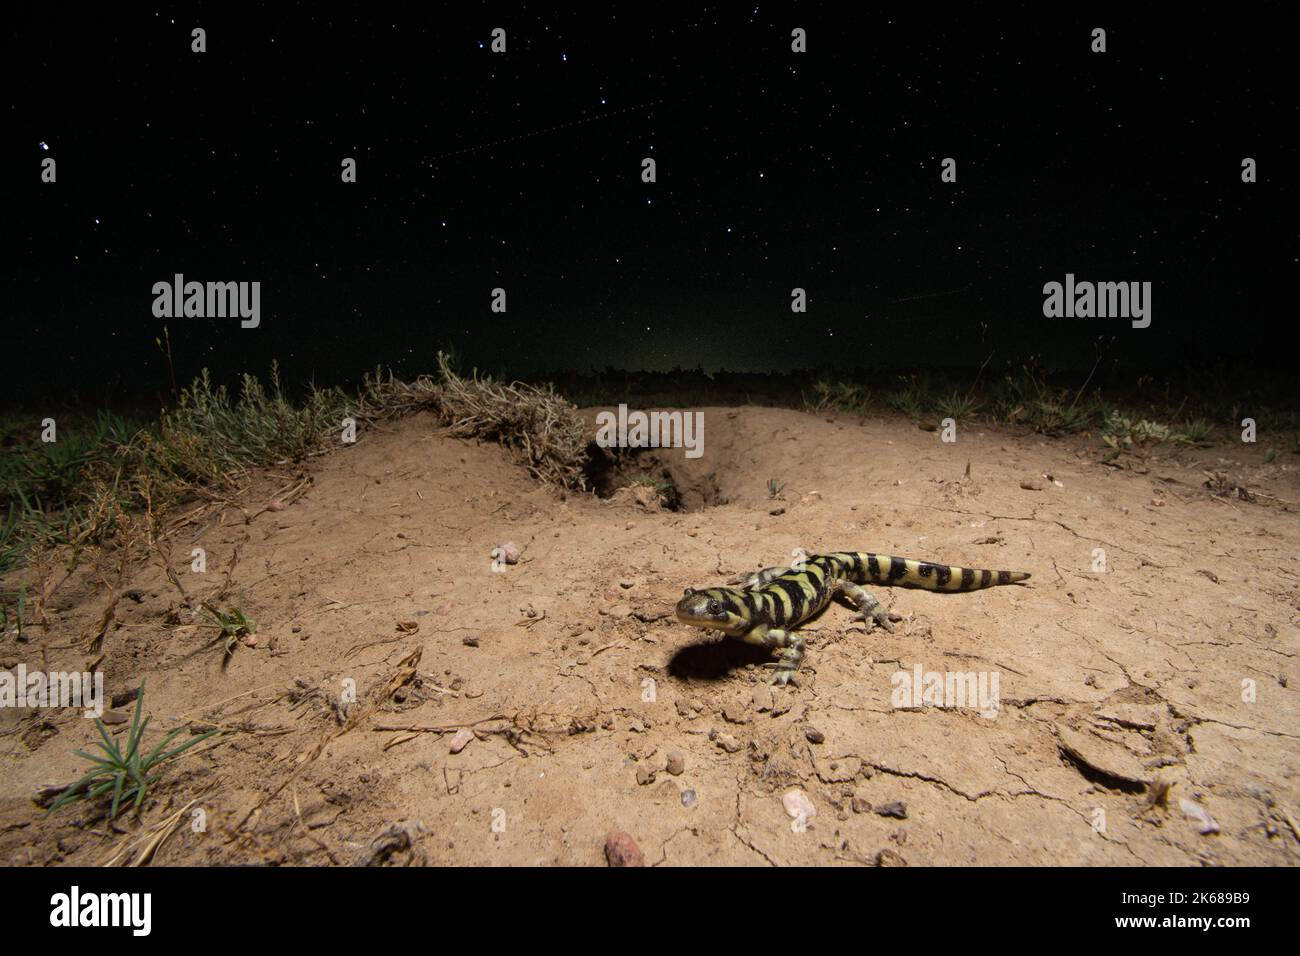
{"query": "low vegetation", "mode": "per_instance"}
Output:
(125, 774)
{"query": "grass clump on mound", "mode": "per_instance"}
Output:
(535, 422)
(108, 472)
(212, 438)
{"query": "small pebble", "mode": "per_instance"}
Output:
(461, 739)
(814, 736)
(621, 850)
(728, 743)
(676, 763)
(798, 805)
(688, 798)
(1198, 816)
(895, 808)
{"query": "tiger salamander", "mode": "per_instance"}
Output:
(770, 603)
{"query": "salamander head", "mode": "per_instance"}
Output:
(715, 608)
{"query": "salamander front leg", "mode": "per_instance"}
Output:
(756, 579)
(792, 648)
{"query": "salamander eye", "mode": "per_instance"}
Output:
(715, 607)
(688, 592)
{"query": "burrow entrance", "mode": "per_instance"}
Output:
(680, 483)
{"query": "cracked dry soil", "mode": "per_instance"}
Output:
(1164, 678)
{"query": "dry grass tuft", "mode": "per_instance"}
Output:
(534, 421)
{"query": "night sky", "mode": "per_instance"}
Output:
(522, 170)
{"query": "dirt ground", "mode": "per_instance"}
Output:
(1124, 692)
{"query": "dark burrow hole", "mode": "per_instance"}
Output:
(681, 483)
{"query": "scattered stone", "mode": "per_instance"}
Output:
(1032, 484)
(728, 743)
(676, 763)
(895, 808)
(123, 696)
(645, 775)
(469, 641)
(625, 585)
(762, 698)
(399, 839)
(840, 771)
(777, 512)
(814, 736)
(889, 858)
(461, 739)
(734, 715)
(797, 805)
(621, 850)
(1201, 820)
(506, 551)
(688, 798)
(860, 804)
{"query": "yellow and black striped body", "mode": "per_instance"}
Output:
(774, 601)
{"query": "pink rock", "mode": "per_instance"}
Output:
(621, 850)
(460, 740)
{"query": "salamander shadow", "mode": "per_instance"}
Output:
(715, 659)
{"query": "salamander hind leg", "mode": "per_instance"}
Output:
(869, 609)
